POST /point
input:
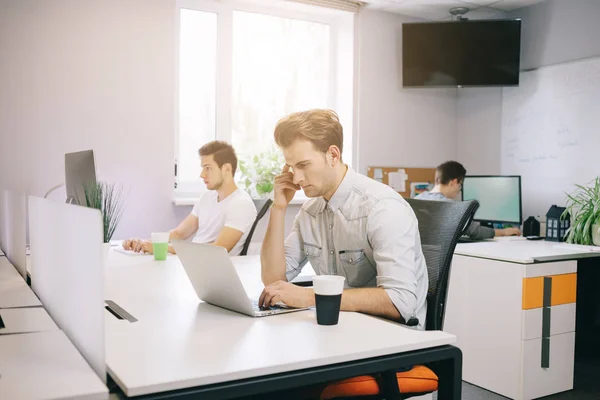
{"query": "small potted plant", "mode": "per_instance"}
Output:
(109, 199)
(257, 173)
(584, 207)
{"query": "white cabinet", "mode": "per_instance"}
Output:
(496, 310)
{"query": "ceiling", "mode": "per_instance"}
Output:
(439, 9)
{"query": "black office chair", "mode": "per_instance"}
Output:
(262, 206)
(441, 223)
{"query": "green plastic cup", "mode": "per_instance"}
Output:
(160, 245)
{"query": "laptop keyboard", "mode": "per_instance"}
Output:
(258, 308)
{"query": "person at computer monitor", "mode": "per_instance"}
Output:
(223, 216)
(448, 182)
(352, 226)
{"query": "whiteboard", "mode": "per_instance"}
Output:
(551, 132)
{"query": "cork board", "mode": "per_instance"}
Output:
(413, 175)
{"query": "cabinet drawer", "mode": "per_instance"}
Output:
(563, 290)
(538, 381)
(562, 320)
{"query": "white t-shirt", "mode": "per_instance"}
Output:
(236, 211)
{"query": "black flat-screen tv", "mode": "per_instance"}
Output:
(461, 53)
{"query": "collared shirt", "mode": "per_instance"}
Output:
(368, 234)
(474, 230)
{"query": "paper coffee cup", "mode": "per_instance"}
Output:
(328, 298)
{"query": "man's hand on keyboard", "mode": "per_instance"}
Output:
(287, 293)
(138, 245)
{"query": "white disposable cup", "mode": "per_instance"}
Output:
(328, 285)
(160, 237)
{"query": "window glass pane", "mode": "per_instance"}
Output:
(197, 88)
(280, 66)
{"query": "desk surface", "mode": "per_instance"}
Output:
(14, 291)
(45, 365)
(180, 342)
(526, 251)
(24, 320)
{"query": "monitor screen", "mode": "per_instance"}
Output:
(461, 53)
(80, 171)
(499, 197)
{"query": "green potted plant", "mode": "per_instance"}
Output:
(584, 207)
(109, 199)
(258, 172)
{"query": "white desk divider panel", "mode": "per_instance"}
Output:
(14, 214)
(67, 272)
(14, 291)
(45, 365)
(24, 320)
(2, 224)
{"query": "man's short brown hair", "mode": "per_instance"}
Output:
(448, 171)
(321, 127)
(222, 152)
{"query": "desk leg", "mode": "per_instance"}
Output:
(449, 373)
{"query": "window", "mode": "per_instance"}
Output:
(242, 66)
(197, 89)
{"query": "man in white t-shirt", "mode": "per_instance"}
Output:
(223, 216)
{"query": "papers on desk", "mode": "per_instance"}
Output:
(128, 252)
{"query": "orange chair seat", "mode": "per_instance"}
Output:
(419, 379)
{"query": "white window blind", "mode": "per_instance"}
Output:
(344, 5)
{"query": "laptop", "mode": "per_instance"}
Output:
(216, 281)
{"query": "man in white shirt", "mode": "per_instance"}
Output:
(223, 216)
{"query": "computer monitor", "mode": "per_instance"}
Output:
(80, 170)
(499, 198)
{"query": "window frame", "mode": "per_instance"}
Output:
(187, 192)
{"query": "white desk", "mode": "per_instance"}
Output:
(515, 342)
(526, 251)
(179, 342)
(24, 320)
(14, 291)
(45, 365)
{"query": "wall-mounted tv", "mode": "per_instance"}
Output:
(461, 53)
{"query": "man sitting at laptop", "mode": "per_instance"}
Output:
(353, 226)
(223, 216)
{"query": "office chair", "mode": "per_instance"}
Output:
(441, 223)
(262, 206)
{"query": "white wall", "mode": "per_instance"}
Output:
(553, 31)
(558, 31)
(398, 127)
(479, 125)
(91, 74)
